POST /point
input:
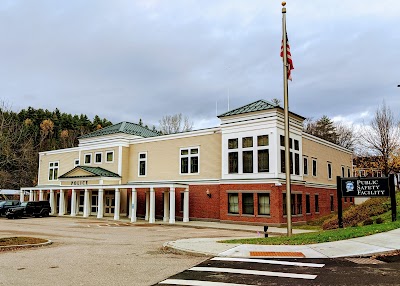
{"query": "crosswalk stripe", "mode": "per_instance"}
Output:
(303, 264)
(199, 283)
(253, 272)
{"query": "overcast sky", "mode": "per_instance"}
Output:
(125, 60)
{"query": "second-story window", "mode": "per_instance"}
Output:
(88, 159)
(189, 160)
(53, 171)
(110, 156)
(294, 147)
(233, 156)
(98, 158)
(142, 164)
(329, 170)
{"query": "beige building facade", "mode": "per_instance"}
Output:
(231, 172)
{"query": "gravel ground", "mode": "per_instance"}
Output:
(96, 252)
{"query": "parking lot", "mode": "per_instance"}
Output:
(96, 252)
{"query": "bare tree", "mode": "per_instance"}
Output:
(381, 137)
(176, 123)
(276, 101)
(345, 136)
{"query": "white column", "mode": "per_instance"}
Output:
(186, 205)
(152, 217)
(86, 204)
(146, 216)
(129, 194)
(61, 203)
(21, 196)
(73, 203)
(117, 204)
(40, 195)
(30, 195)
(100, 206)
(166, 207)
(134, 205)
(172, 205)
(52, 205)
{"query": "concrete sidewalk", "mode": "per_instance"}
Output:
(362, 246)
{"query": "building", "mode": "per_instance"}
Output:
(233, 172)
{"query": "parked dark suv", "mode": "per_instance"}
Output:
(5, 205)
(36, 209)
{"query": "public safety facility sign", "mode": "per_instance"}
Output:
(365, 187)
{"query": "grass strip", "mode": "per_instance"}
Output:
(320, 236)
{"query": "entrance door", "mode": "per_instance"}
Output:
(81, 202)
(94, 202)
(110, 204)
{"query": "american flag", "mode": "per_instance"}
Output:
(289, 58)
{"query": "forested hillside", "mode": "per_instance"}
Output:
(26, 133)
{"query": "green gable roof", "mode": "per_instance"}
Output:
(95, 172)
(258, 105)
(123, 127)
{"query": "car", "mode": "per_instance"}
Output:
(31, 208)
(5, 205)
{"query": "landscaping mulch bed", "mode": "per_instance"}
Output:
(20, 242)
(393, 256)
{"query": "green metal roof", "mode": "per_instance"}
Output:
(95, 171)
(258, 105)
(123, 127)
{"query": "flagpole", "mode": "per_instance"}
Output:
(286, 111)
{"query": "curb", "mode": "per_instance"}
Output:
(48, 242)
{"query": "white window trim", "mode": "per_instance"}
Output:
(293, 151)
(84, 158)
(107, 152)
(189, 156)
(316, 167)
(58, 168)
(330, 176)
(308, 169)
(77, 159)
(101, 157)
(145, 164)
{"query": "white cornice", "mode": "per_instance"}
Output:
(74, 149)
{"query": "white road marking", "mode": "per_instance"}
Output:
(303, 264)
(199, 283)
(253, 272)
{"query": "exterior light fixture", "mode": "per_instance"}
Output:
(208, 193)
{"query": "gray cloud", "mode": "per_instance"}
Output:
(126, 60)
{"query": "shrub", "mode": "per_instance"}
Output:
(359, 213)
(368, 222)
(379, 220)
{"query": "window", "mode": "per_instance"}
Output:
(296, 204)
(142, 164)
(294, 155)
(342, 171)
(329, 171)
(53, 171)
(76, 162)
(233, 162)
(248, 203)
(263, 160)
(305, 166)
(362, 173)
(308, 208)
(109, 156)
(98, 158)
(299, 204)
(88, 158)
(190, 160)
(263, 204)
(233, 143)
(247, 161)
(316, 203)
(348, 172)
(247, 142)
(233, 203)
(314, 167)
(332, 204)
